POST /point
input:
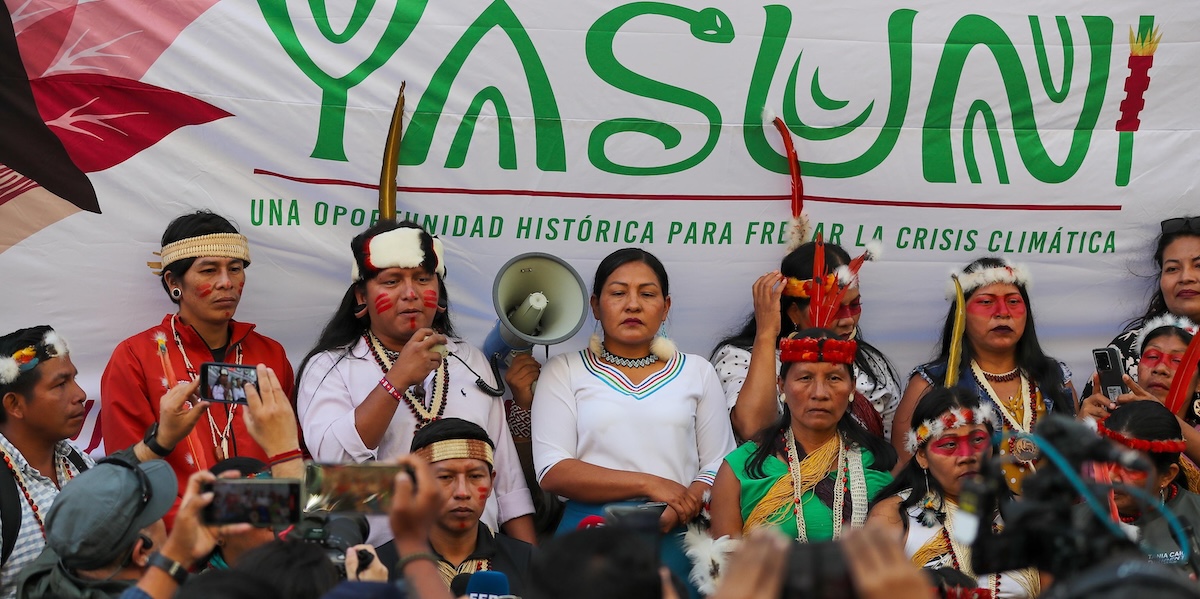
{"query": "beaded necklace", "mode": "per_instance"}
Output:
(64, 475)
(416, 403)
(1003, 377)
(616, 360)
(850, 480)
(220, 438)
(1022, 449)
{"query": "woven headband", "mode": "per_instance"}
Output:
(950, 419)
(452, 449)
(222, 245)
(808, 349)
(398, 248)
(1010, 273)
(27, 358)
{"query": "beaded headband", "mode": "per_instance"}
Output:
(1009, 273)
(1166, 320)
(398, 248)
(451, 449)
(224, 245)
(950, 419)
(1166, 446)
(808, 349)
(27, 358)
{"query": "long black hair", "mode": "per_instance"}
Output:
(1150, 421)
(1158, 304)
(344, 328)
(770, 440)
(624, 256)
(798, 264)
(912, 478)
(1030, 358)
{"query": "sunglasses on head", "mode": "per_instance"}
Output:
(1183, 224)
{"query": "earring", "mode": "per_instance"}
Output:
(360, 310)
(176, 293)
(925, 472)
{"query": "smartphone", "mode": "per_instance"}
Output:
(262, 502)
(1108, 366)
(226, 382)
(363, 488)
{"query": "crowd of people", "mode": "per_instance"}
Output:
(628, 468)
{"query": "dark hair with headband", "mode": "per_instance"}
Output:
(1171, 230)
(345, 328)
(201, 222)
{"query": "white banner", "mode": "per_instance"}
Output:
(948, 132)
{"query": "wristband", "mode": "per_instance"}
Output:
(519, 420)
(416, 557)
(173, 568)
(151, 441)
(391, 389)
(286, 456)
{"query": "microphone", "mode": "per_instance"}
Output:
(592, 521)
(458, 586)
(487, 584)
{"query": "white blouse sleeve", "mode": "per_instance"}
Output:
(555, 417)
(714, 433)
(325, 409)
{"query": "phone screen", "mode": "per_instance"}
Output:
(260, 501)
(226, 382)
(363, 488)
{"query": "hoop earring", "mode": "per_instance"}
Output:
(360, 310)
(176, 293)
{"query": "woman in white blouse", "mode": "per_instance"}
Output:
(630, 418)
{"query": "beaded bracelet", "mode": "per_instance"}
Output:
(415, 557)
(286, 456)
(391, 389)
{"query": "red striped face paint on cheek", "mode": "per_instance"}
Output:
(483, 493)
(430, 297)
(204, 290)
(383, 303)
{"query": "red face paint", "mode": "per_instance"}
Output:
(1120, 474)
(241, 285)
(430, 297)
(850, 310)
(412, 323)
(483, 493)
(990, 306)
(1153, 358)
(462, 524)
(204, 290)
(960, 445)
(383, 303)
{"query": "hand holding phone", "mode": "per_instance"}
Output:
(261, 502)
(1110, 371)
(226, 383)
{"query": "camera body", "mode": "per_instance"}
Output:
(335, 533)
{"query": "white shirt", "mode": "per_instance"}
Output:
(333, 385)
(673, 424)
(732, 364)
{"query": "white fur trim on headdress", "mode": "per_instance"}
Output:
(9, 371)
(950, 419)
(56, 346)
(799, 232)
(399, 248)
(1013, 274)
(708, 557)
(51, 346)
(1166, 320)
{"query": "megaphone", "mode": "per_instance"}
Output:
(540, 299)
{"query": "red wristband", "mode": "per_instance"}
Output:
(286, 456)
(391, 389)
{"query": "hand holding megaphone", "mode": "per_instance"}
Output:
(521, 377)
